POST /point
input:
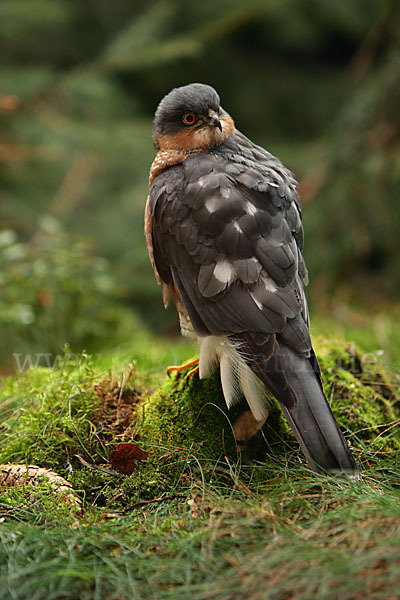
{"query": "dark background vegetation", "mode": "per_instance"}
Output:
(314, 81)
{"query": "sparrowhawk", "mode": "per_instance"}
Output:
(225, 238)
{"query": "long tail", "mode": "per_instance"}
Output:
(295, 381)
(311, 418)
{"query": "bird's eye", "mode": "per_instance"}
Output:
(219, 110)
(189, 118)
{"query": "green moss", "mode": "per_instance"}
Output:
(117, 492)
(70, 417)
(148, 481)
(38, 504)
(51, 421)
(187, 413)
(364, 396)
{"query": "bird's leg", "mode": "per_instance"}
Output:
(193, 371)
(245, 427)
(192, 363)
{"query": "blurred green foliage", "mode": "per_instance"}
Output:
(315, 82)
(54, 290)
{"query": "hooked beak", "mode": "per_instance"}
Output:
(213, 120)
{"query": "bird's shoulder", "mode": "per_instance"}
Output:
(257, 168)
(239, 158)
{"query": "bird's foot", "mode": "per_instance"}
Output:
(192, 363)
(245, 427)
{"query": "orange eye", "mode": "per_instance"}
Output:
(219, 110)
(189, 118)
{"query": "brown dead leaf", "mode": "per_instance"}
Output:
(125, 457)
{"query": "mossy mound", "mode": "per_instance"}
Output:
(365, 397)
(69, 419)
(188, 413)
(192, 414)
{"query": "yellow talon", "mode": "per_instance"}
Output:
(187, 365)
(193, 372)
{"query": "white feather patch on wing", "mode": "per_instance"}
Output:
(250, 208)
(223, 272)
(212, 204)
(270, 284)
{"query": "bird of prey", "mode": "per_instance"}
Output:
(225, 237)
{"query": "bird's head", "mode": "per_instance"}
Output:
(191, 118)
